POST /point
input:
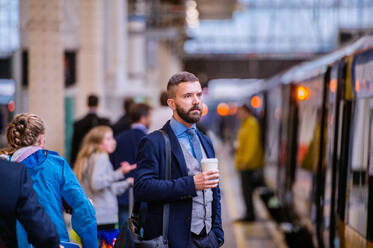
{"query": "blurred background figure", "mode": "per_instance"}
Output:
(161, 114)
(100, 182)
(126, 150)
(249, 158)
(18, 201)
(82, 126)
(124, 123)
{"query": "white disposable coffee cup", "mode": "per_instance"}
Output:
(209, 164)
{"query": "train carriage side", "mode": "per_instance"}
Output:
(355, 186)
(307, 141)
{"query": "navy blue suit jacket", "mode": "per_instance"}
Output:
(19, 201)
(151, 187)
(126, 150)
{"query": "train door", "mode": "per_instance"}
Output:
(355, 205)
(282, 178)
(332, 125)
(308, 166)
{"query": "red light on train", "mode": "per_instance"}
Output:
(205, 110)
(303, 93)
(222, 109)
(357, 85)
(256, 102)
(11, 106)
(333, 85)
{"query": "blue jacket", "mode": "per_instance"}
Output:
(53, 180)
(19, 201)
(126, 150)
(178, 191)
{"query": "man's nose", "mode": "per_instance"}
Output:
(196, 100)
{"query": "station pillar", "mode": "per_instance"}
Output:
(46, 85)
(90, 54)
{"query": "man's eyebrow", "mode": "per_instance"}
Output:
(188, 93)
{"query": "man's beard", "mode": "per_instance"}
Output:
(187, 115)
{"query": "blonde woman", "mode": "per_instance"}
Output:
(53, 179)
(100, 182)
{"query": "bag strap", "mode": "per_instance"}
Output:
(166, 207)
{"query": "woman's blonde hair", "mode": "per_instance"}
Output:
(91, 144)
(23, 131)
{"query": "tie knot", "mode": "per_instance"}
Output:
(191, 132)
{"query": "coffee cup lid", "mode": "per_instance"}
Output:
(210, 160)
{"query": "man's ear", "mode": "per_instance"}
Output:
(171, 103)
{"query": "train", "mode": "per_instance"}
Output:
(317, 129)
(318, 126)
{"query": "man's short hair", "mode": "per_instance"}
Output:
(163, 98)
(139, 110)
(127, 103)
(92, 100)
(176, 79)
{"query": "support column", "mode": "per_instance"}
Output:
(90, 54)
(46, 86)
(115, 39)
(136, 55)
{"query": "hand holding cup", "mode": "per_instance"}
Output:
(209, 178)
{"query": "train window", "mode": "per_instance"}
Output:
(357, 196)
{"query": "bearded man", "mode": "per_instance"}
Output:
(193, 195)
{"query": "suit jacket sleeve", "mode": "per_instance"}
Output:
(148, 183)
(41, 231)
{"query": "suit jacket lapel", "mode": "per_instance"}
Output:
(205, 145)
(176, 149)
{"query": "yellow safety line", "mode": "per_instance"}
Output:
(228, 194)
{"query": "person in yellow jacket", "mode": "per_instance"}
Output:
(249, 158)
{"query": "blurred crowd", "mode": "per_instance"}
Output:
(46, 201)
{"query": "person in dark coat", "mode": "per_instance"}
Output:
(126, 150)
(18, 201)
(194, 196)
(124, 122)
(82, 127)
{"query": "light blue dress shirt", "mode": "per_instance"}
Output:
(181, 134)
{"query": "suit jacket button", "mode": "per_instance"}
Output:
(187, 219)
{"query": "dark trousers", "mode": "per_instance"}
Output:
(203, 241)
(248, 186)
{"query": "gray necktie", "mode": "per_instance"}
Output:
(195, 144)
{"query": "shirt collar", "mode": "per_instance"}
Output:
(179, 128)
(139, 126)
